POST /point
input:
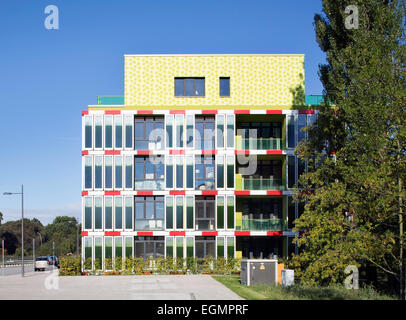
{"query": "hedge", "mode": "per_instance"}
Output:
(70, 266)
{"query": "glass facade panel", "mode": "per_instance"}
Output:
(98, 172)
(118, 174)
(118, 124)
(98, 128)
(230, 247)
(220, 131)
(205, 246)
(118, 244)
(149, 173)
(189, 247)
(108, 172)
(98, 212)
(88, 172)
(128, 124)
(169, 131)
(129, 172)
(230, 131)
(230, 212)
(230, 172)
(205, 213)
(169, 246)
(204, 173)
(291, 213)
(98, 241)
(179, 130)
(179, 172)
(88, 213)
(189, 212)
(179, 212)
(169, 172)
(146, 247)
(88, 131)
(291, 132)
(220, 247)
(220, 212)
(179, 247)
(108, 131)
(291, 171)
(189, 172)
(128, 247)
(129, 213)
(301, 123)
(118, 208)
(189, 131)
(88, 248)
(108, 247)
(149, 213)
(220, 172)
(149, 133)
(108, 212)
(169, 212)
(204, 136)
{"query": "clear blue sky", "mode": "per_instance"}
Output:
(48, 76)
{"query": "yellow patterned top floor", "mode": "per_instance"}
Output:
(256, 81)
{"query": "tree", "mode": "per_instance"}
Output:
(1, 218)
(356, 148)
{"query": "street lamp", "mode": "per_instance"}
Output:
(22, 225)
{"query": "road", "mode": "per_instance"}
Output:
(16, 270)
(49, 286)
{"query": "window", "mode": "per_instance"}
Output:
(261, 208)
(189, 130)
(230, 247)
(98, 242)
(220, 131)
(205, 246)
(88, 248)
(98, 212)
(220, 172)
(128, 247)
(98, 121)
(291, 131)
(98, 172)
(189, 172)
(108, 213)
(220, 212)
(205, 213)
(179, 130)
(205, 133)
(301, 123)
(118, 218)
(88, 213)
(149, 133)
(230, 172)
(189, 212)
(179, 171)
(118, 244)
(230, 131)
(230, 212)
(128, 124)
(128, 172)
(169, 246)
(108, 172)
(129, 213)
(88, 131)
(169, 131)
(179, 247)
(224, 86)
(108, 131)
(179, 212)
(291, 171)
(88, 172)
(149, 247)
(149, 213)
(149, 173)
(118, 161)
(189, 87)
(169, 172)
(220, 247)
(118, 123)
(169, 212)
(108, 247)
(204, 173)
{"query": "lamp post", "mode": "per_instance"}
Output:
(22, 225)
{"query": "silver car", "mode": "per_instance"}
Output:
(41, 263)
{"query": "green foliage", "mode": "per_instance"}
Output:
(108, 264)
(88, 264)
(70, 266)
(354, 215)
(140, 265)
(118, 263)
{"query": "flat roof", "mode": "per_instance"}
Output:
(215, 55)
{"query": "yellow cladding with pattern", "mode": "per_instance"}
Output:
(256, 81)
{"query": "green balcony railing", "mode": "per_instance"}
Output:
(262, 225)
(262, 144)
(110, 100)
(314, 100)
(261, 184)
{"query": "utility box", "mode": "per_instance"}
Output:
(288, 277)
(259, 271)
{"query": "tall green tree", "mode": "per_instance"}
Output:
(356, 148)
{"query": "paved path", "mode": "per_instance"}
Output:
(47, 285)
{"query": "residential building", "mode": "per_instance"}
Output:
(196, 159)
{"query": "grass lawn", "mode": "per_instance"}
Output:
(298, 292)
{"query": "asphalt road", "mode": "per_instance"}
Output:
(48, 286)
(16, 270)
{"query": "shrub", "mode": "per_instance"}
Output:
(118, 263)
(70, 266)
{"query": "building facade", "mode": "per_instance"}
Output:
(196, 159)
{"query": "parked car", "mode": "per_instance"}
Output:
(41, 263)
(54, 260)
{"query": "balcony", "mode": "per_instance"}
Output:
(258, 184)
(246, 224)
(259, 144)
